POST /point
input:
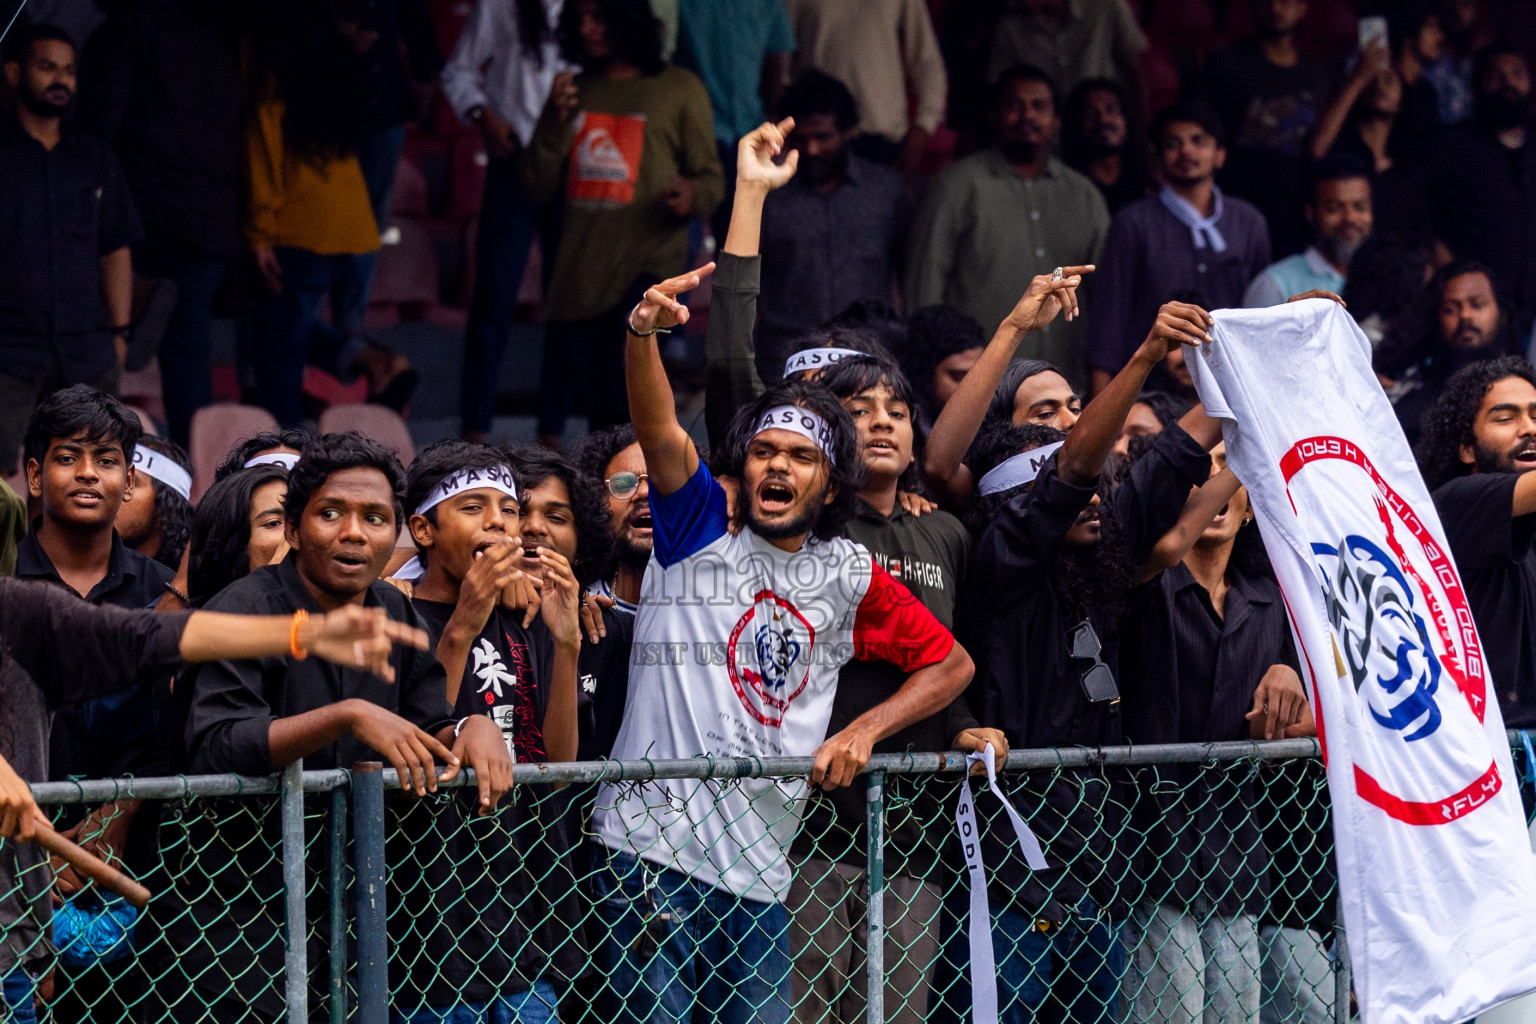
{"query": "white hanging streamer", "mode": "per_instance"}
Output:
(983, 969)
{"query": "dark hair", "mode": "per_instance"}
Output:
(594, 531)
(1084, 581)
(1073, 109)
(442, 459)
(221, 531)
(852, 377)
(1449, 422)
(845, 471)
(1405, 21)
(600, 447)
(1482, 61)
(244, 451)
(19, 51)
(173, 511)
(1019, 74)
(879, 318)
(1335, 167)
(332, 453)
(1000, 409)
(81, 409)
(1168, 408)
(1413, 336)
(816, 92)
(634, 34)
(300, 57)
(533, 29)
(1187, 113)
(1385, 274)
(934, 333)
(836, 335)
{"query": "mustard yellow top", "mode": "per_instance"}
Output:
(319, 206)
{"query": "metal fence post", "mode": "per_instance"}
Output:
(368, 855)
(338, 887)
(296, 964)
(874, 912)
(1341, 975)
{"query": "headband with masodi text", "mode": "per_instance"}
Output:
(497, 478)
(285, 459)
(798, 420)
(1020, 469)
(160, 467)
(817, 359)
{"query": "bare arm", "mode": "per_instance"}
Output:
(961, 418)
(670, 457)
(926, 692)
(1202, 507)
(1336, 114)
(351, 636)
(1525, 495)
(117, 291)
(561, 610)
(1082, 456)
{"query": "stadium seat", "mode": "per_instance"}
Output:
(146, 420)
(215, 430)
(383, 425)
(409, 197)
(407, 270)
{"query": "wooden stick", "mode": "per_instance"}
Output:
(89, 864)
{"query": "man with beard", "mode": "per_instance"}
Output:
(830, 236)
(1190, 240)
(1478, 450)
(1340, 215)
(1006, 214)
(614, 457)
(1456, 319)
(66, 222)
(1096, 140)
(1483, 188)
(738, 642)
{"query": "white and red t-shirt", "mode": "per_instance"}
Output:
(736, 654)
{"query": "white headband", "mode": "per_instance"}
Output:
(285, 459)
(817, 359)
(798, 420)
(160, 467)
(498, 478)
(1021, 469)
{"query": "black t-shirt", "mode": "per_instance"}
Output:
(480, 904)
(1493, 550)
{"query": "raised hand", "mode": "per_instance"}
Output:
(659, 308)
(489, 574)
(1178, 323)
(521, 594)
(755, 155)
(358, 637)
(561, 606)
(1045, 297)
(563, 96)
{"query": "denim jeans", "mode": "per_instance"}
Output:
(1297, 974)
(1082, 962)
(508, 221)
(378, 154)
(676, 950)
(535, 1006)
(291, 335)
(1192, 966)
(16, 998)
(186, 369)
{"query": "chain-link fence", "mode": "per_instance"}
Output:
(1183, 883)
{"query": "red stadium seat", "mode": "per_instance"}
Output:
(407, 270)
(215, 430)
(383, 425)
(409, 197)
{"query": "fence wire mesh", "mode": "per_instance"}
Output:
(1198, 887)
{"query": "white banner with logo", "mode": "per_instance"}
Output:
(1435, 870)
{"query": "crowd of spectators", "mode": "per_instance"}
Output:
(958, 492)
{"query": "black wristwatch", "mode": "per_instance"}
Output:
(125, 332)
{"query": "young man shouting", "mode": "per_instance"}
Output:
(738, 642)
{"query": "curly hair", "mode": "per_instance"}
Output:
(634, 34)
(1087, 580)
(600, 447)
(332, 453)
(244, 451)
(1168, 408)
(221, 531)
(845, 471)
(1414, 337)
(852, 377)
(1450, 421)
(934, 333)
(172, 510)
(535, 464)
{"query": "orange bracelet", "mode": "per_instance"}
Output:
(299, 618)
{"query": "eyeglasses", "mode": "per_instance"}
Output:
(625, 485)
(1098, 682)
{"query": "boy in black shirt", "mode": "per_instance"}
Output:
(494, 886)
(1478, 448)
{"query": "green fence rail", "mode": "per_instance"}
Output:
(1186, 882)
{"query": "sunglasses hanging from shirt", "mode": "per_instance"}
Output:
(1098, 681)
